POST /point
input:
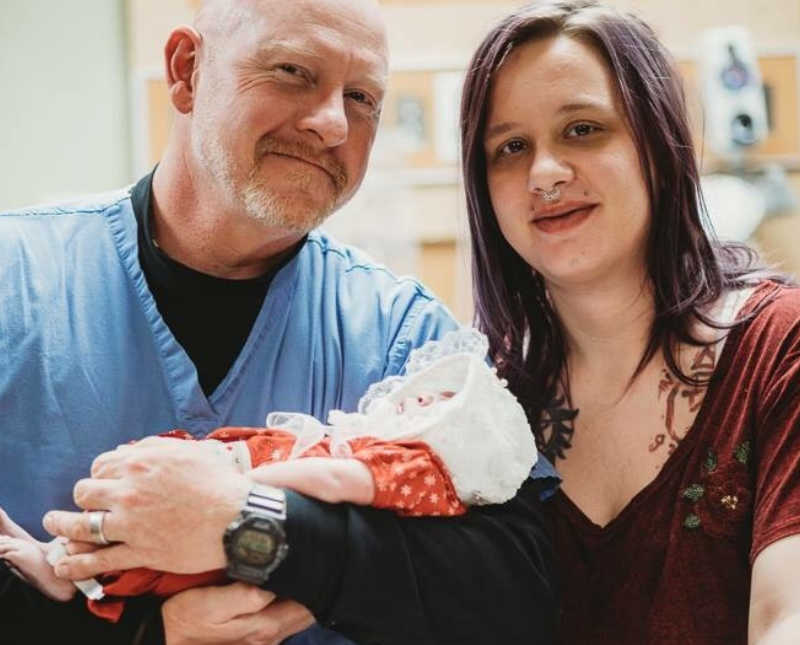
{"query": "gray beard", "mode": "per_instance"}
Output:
(270, 209)
(254, 196)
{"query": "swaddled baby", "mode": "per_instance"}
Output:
(446, 435)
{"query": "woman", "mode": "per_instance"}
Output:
(661, 367)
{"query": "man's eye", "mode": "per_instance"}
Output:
(361, 97)
(294, 70)
(581, 130)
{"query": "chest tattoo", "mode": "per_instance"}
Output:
(674, 393)
(556, 429)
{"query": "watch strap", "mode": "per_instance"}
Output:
(266, 500)
(264, 511)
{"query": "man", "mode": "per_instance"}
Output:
(202, 298)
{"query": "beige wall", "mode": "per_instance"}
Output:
(64, 108)
(149, 24)
(778, 238)
(429, 27)
(774, 24)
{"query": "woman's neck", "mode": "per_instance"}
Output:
(606, 326)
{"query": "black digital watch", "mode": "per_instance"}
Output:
(255, 542)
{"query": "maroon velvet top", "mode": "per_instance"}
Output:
(674, 565)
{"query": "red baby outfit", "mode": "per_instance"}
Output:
(409, 479)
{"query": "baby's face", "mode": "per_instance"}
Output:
(415, 404)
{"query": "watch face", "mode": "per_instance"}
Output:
(254, 547)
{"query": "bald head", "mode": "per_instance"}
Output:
(220, 20)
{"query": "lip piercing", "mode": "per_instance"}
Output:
(550, 196)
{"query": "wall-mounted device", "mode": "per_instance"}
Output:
(735, 105)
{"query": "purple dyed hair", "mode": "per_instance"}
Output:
(687, 267)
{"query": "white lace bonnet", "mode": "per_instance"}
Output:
(481, 434)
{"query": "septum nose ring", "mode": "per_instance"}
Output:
(550, 196)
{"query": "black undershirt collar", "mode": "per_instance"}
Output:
(210, 317)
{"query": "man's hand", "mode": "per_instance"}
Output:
(168, 504)
(236, 613)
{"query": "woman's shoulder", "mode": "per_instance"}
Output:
(772, 306)
(768, 334)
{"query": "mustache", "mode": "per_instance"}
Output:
(272, 145)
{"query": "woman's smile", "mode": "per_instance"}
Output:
(562, 218)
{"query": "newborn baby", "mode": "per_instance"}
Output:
(446, 435)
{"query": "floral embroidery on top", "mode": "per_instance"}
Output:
(694, 492)
(711, 461)
(691, 521)
(742, 453)
(721, 500)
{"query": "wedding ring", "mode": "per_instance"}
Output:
(96, 527)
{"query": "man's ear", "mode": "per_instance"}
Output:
(181, 58)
